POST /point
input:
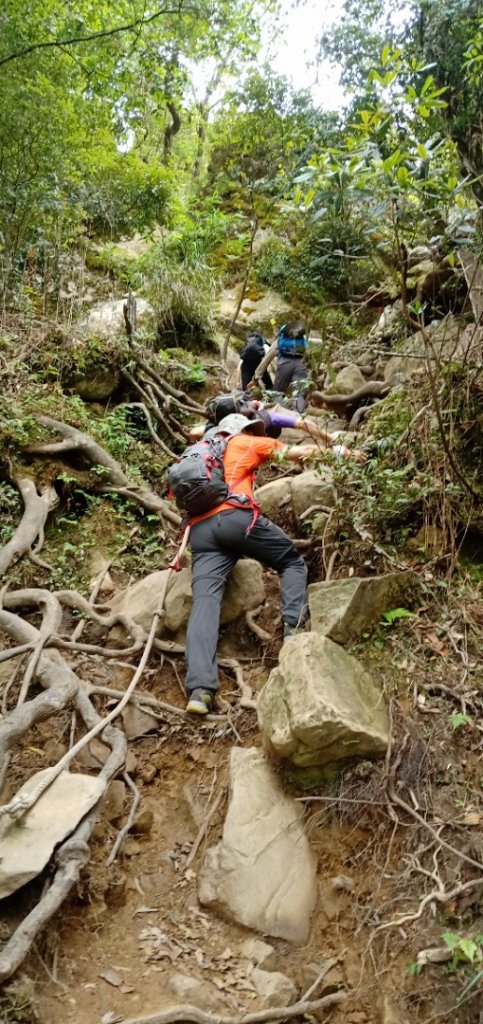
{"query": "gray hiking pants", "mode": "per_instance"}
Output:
(290, 371)
(216, 544)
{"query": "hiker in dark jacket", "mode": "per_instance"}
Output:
(250, 357)
(223, 535)
(291, 367)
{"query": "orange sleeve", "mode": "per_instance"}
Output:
(267, 446)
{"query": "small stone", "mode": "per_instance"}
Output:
(261, 953)
(116, 893)
(94, 755)
(143, 822)
(274, 988)
(343, 883)
(352, 973)
(192, 991)
(112, 977)
(332, 903)
(131, 763)
(114, 801)
(137, 723)
(331, 982)
(131, 847)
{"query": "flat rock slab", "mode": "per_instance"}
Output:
(320, 706)
(27, 844)
(344, 609)
(262, 873)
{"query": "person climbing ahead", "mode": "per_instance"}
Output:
(290, 347)
(229, 532)
(291, 368)
(251, 356)
(274, 420)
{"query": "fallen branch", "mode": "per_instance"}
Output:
(196, 1016)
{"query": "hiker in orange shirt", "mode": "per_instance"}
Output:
(228, 532)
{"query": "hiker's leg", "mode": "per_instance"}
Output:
(268, 544)
(210, 569)
(300, 372)
(283, 376)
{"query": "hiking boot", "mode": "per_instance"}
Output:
(201, 702)
(289, 631)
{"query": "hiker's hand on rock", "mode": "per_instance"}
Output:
(359, 456)
(305, 451)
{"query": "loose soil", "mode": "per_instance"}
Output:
(139, 921)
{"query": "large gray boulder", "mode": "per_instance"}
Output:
(267, 314)
(408, 359)
(389, 323)
(27, 843)
(245, 591)
(274, 497)
(320, 706)
(313, 487)
(344, 609)
(294, 495)
(106, 319)
(262, 873)
(349, 379)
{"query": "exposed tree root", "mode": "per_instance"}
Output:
(246, 699)
(197, 1016)
(112, 477)
(38, 502)
(359, 415)
(255, 628)
(60, 683)
(179, 397)
(130, 821)
(158, 441)
(346, 404)
(50, 668)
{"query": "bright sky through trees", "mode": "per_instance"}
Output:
(294, 53)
